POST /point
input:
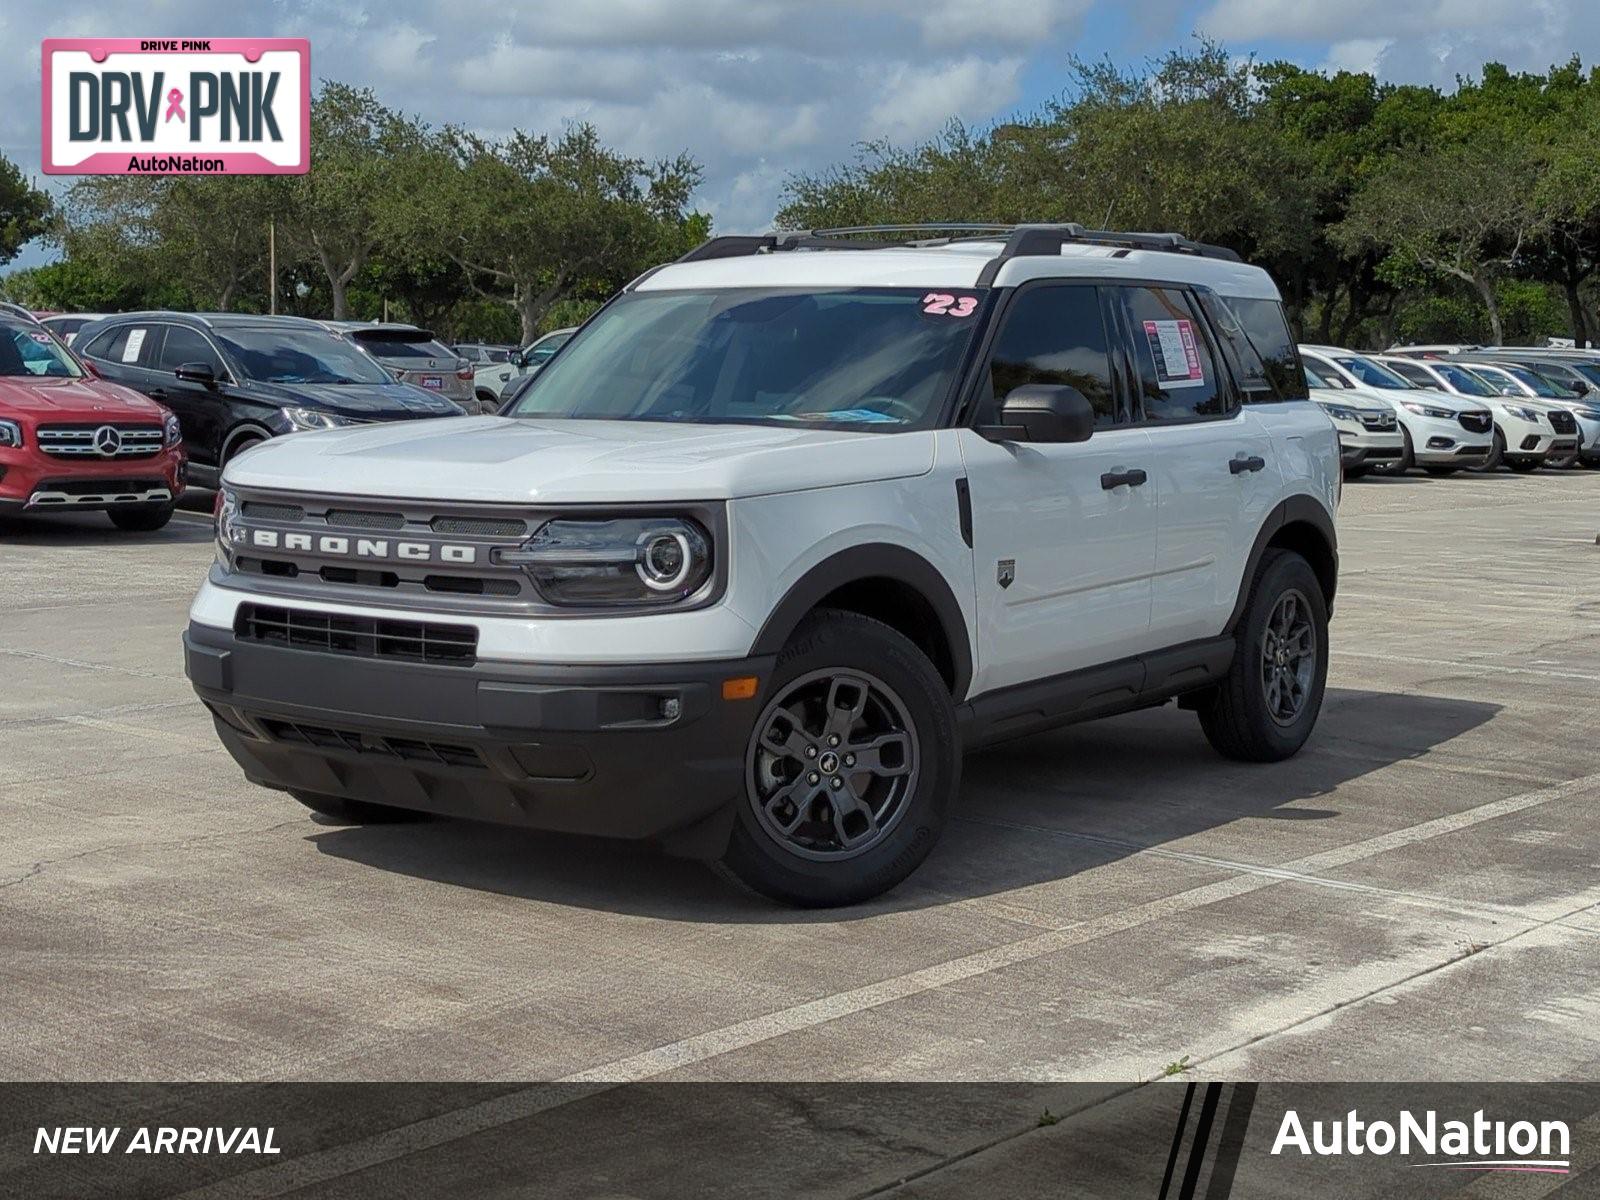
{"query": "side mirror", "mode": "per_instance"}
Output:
(197, 372)
(516, 358)
(1579, 387)
(1043, 412)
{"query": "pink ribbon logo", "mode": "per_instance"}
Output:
(175, 105)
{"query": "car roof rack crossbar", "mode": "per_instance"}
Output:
(1020, 240)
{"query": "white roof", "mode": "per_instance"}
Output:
(957, 265)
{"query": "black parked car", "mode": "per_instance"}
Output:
(235, 379)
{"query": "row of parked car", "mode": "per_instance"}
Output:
(199, 389)
(473, 374)
(1446, 408)
(117, 413)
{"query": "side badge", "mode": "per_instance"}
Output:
(1006, 572)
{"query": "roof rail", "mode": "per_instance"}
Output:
(1020, 240)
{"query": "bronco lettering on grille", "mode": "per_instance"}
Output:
(338, 546)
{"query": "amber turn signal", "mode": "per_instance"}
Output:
(741, 688)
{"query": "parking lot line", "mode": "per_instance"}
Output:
(1458, 665)
(714, 1043)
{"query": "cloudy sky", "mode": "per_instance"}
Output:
(758, 89)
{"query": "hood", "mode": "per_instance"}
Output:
(367, 401)
(1428, 396)
(86, 399)
(521, 461)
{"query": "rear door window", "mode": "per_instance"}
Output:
(1177, 373)
(127, 345)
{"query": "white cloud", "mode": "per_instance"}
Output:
(917, 100)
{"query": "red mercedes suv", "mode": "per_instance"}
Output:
(72, 442)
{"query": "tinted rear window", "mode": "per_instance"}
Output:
(1267, 328)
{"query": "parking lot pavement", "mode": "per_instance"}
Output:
(1412, 898)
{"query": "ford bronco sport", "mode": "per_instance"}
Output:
(787, 525)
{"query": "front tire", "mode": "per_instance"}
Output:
(142, 518)
(1267, 705)
(1408, 456)
(356, 812)
(1497, 451)
(850, 769)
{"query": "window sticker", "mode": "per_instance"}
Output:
(1176, 353)
(130, 352)
(42, 338)
(944, 304)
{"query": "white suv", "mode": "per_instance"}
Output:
(1369, 432)
(785, 527)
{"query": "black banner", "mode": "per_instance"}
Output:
(1169, 1141)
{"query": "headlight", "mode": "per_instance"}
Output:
(1527, 414)
(630, 561)
(313, 418)
(172, 431)
(227, 512)
(10, 433)
(1588, 414)
(1427, 410)
(1339, 413)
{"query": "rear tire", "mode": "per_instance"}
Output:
(1267, 705)
(356, 812)
(810, 830)
(142, 518)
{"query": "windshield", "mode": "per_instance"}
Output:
(1538, 384)
(299, 356)
(1496, 380)
(1373, 374)
(1462, 380)
(31, 351)
(878, 359)
(1313, 379)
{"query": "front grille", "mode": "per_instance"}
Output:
(479, 526)
(1476, 422)
(350, 545)
(351, 518)
(324, 737)
(85, 440)
(263, 511)
(1563, 422)
(1377, 420)
(369, 637)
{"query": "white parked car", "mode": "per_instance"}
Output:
(1517, 423)
(1444, 430)
(490, 380)
(1369, 431)
(1528, 389)
(1571, 385)
(783, 529)
(1434, 351)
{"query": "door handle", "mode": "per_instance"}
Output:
(1133, 478)
(1246, 462)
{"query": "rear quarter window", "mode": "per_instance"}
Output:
(1265, 325)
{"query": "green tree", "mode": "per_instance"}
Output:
(364, 158)
(24, 211)
(1464, 211)
(535, 221)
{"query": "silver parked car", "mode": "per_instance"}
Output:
(491, 380)
(414, 356)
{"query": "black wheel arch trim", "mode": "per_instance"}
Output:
(881, 560)
(1298, 509)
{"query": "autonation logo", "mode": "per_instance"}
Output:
(1478, 1144)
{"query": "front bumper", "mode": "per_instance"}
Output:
(1435, 441)
(618, 751)
(31, 481)
(1365, 447)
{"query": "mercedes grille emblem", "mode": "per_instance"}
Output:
(107, 440)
